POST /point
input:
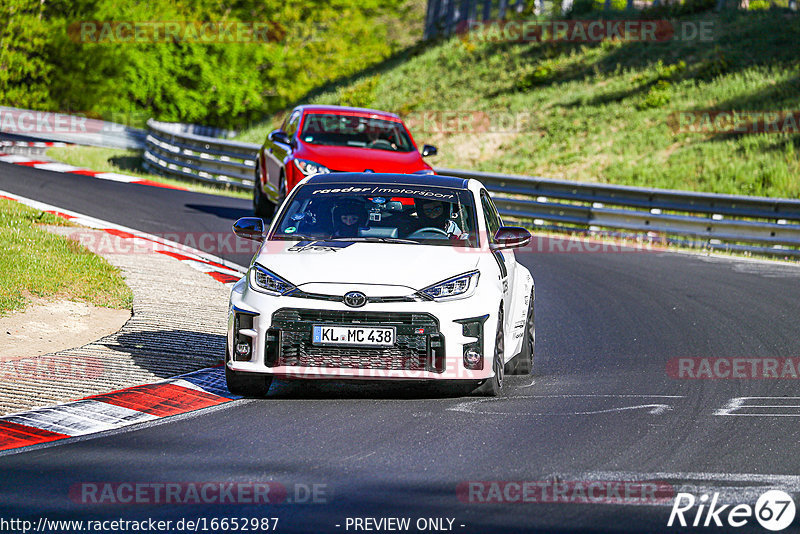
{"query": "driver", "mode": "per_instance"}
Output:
(436, 214)
(347, 218)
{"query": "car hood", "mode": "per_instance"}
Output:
(354, 159)
(384, 264)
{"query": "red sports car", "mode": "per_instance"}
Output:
(322, 139)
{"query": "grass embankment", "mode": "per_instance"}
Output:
(600, 112)
(36, 262)
(130, 162)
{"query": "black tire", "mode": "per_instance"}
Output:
(523, 362)
(261, 205)
(246, 384)
(494, 385)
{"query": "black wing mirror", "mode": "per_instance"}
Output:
(249, 228)
(428, 150)
(511, 237)
(279, 136)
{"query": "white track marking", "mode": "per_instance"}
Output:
(57, 167)
(13, 158)
(116, 177)
(473, 405)
(737, 404)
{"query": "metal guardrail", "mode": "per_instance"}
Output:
(173, 149)
(757, 224)
(26, 124)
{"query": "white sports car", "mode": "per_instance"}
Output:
(383, 277)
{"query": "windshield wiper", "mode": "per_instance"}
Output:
(375, 239)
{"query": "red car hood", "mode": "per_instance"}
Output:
(354, 159)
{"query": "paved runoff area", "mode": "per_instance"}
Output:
(178, 326)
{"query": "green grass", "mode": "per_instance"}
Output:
(130, 162)
(36, 262)
(600, 112)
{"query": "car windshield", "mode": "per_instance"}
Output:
(355, 131)
(386, 213)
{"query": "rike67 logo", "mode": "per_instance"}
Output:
(774, 510)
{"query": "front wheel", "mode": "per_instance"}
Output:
(494, 385)
(246, 384)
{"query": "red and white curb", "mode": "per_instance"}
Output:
(35, 144)
(216, 267)
(55, 166)
(98, 413)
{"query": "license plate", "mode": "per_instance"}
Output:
(366, 336)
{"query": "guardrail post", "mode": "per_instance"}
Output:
(448, 17)
(487, 10)
(501, 14)
(463, 15)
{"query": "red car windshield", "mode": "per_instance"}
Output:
(355, 131)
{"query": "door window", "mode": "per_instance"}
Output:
(493, 222)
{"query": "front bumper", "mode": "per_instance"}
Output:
(430, 341)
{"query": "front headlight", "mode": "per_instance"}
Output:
(458, 287)
(309, 168)
(266, 281)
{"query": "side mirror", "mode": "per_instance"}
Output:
(428, 150)
(249, 228)
(511, 237)
(279, 136)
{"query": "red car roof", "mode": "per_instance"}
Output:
(345, 110)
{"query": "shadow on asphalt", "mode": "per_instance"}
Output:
(223, 212)
(167, 353)
(352, 389)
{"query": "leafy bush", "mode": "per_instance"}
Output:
(24, 66)
(658, 96)
(229, 84)
(756, 5)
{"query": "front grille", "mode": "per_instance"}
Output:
(419, 345)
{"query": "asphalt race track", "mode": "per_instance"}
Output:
(601, 405)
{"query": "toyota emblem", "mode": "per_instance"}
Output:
(355, 299)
